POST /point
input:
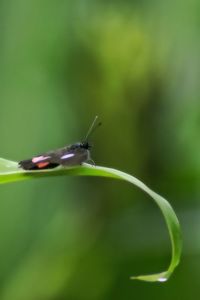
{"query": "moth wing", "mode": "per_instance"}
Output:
(64, 156)
(45, 161)
(74, 158)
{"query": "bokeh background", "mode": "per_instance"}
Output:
(136, 64)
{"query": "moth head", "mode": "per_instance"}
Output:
(85, 145)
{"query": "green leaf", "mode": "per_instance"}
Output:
(10, 172)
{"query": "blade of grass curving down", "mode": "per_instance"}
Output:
(10, 172)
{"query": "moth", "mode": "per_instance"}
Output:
(68, 156)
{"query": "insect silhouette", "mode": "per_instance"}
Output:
(68, 156)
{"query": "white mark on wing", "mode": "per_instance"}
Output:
(67, 156)
(40, 158)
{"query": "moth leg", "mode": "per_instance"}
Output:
(91, 162)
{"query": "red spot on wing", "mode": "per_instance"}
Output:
(42, 165)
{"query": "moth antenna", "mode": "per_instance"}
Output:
(92, 128)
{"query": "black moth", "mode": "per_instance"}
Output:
(71, 155)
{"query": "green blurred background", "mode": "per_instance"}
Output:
(135, 64)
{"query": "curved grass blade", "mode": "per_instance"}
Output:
(10, 172)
